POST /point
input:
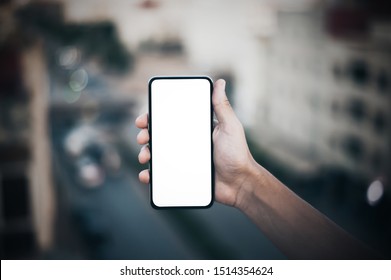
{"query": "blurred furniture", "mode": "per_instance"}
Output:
(25, 185)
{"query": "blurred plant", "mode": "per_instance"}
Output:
(167, 46)
(95, 40)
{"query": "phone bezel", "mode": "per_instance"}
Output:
(151, 137)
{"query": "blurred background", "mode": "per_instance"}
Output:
(309, 79)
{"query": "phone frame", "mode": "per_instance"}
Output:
(151, 137)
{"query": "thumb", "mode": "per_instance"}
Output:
(221, 105)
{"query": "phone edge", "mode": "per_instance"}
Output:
(151, 80)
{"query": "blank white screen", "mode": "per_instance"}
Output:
(181, 142)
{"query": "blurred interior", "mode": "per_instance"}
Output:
(309, 79)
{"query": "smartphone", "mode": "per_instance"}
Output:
(180, 129)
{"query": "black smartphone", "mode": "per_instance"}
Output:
(180, 129)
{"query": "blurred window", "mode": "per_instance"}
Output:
(380, 122)
(354, 147)
(359, 72)
(383, 81)
(357, 109)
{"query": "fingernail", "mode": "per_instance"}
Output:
(223, 83)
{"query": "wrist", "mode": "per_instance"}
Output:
(253, 178)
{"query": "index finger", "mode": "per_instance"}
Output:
(142, 121)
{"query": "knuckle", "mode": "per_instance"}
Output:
(224, 103)
(227, 103)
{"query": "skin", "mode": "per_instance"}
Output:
(295, 227)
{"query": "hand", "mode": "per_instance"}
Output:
(294, 226)
(232, 159)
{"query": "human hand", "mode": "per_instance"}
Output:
(294, 226)
(232, 159)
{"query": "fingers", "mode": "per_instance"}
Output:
(143, 137)
(143, 176)
(142, 121)
(145, 155)
(221, 105)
